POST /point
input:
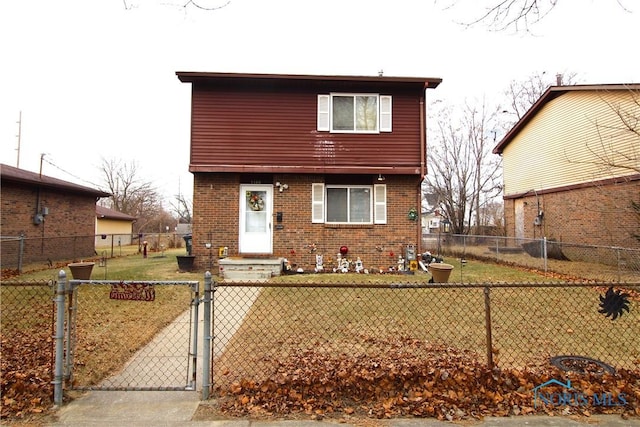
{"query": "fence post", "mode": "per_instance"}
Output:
(71, 323)
(20, 253)
(618, 263)
(544, 252)
(195, 316)
(59, 338)
(487, 325)
(206, 351)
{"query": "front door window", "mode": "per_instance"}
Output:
(255, 218)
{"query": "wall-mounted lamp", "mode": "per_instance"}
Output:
(380, 177)
(281, 187)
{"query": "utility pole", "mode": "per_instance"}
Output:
(19, 136)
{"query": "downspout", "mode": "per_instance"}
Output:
(423, 170)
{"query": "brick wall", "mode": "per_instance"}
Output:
(599, 215)
(67, 232)
(215, 220)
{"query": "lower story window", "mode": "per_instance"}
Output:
(349, 205)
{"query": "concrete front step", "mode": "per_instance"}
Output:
(246, 275)
(249, 269)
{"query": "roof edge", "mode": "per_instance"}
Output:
(550, 94)
(194, 76)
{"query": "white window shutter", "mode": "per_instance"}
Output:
(317, 203)
(385, 113)
(380, 203)
(323, 112)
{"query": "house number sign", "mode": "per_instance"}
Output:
(133, 292)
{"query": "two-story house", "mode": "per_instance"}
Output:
(294, 166)
(572, 166)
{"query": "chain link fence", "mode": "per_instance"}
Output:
(132, 335)
(276, 337)
(601, 263)
(27, 316)
(22, 253)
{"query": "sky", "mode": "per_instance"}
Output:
(82, 81)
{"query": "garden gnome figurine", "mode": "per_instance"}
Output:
(359, 266)
(144, 249)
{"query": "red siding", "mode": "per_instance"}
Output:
(274, 130)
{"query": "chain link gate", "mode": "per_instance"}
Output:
(131, 335)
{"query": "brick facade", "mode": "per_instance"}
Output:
(216, 213)
(67, 232)
(595, 215)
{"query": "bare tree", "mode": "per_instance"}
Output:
(198, 4)
(616, 151)
(520, 95)
(182, 207)
(605, 152)
(519, 15)
(130, 194)
(464, 175)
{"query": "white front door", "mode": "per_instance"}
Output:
(256, 205)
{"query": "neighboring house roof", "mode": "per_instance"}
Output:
(21, 176)
(549, 95)
(106, 213)
(191, 77)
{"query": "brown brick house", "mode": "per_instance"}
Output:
(293, 166)
(57, 218)
(571, 166)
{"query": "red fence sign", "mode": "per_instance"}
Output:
(133, 292)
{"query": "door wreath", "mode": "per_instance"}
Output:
(255, 201)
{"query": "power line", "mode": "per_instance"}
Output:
(69, 173)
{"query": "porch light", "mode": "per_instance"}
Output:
(380, 177)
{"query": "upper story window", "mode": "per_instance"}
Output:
(354, 113)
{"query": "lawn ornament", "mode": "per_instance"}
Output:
(614, 303)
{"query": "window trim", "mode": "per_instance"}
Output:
(384, 117)
(348, 188)
(377, 201)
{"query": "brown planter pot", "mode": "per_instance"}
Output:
(81, 270)
(440, 271)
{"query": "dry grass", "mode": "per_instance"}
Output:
(109, 332)
(597, 271)
(529, 324)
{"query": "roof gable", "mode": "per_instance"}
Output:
(21, 176)
(106, 213)
(549, 95)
